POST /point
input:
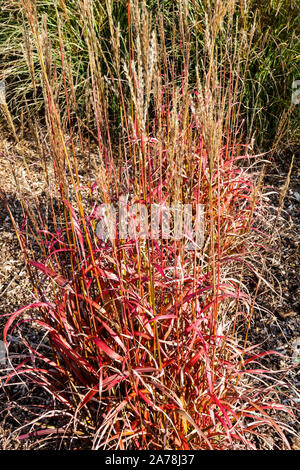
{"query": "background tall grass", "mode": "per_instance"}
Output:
(265, 35)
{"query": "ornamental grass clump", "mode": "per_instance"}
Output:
(147, 329)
